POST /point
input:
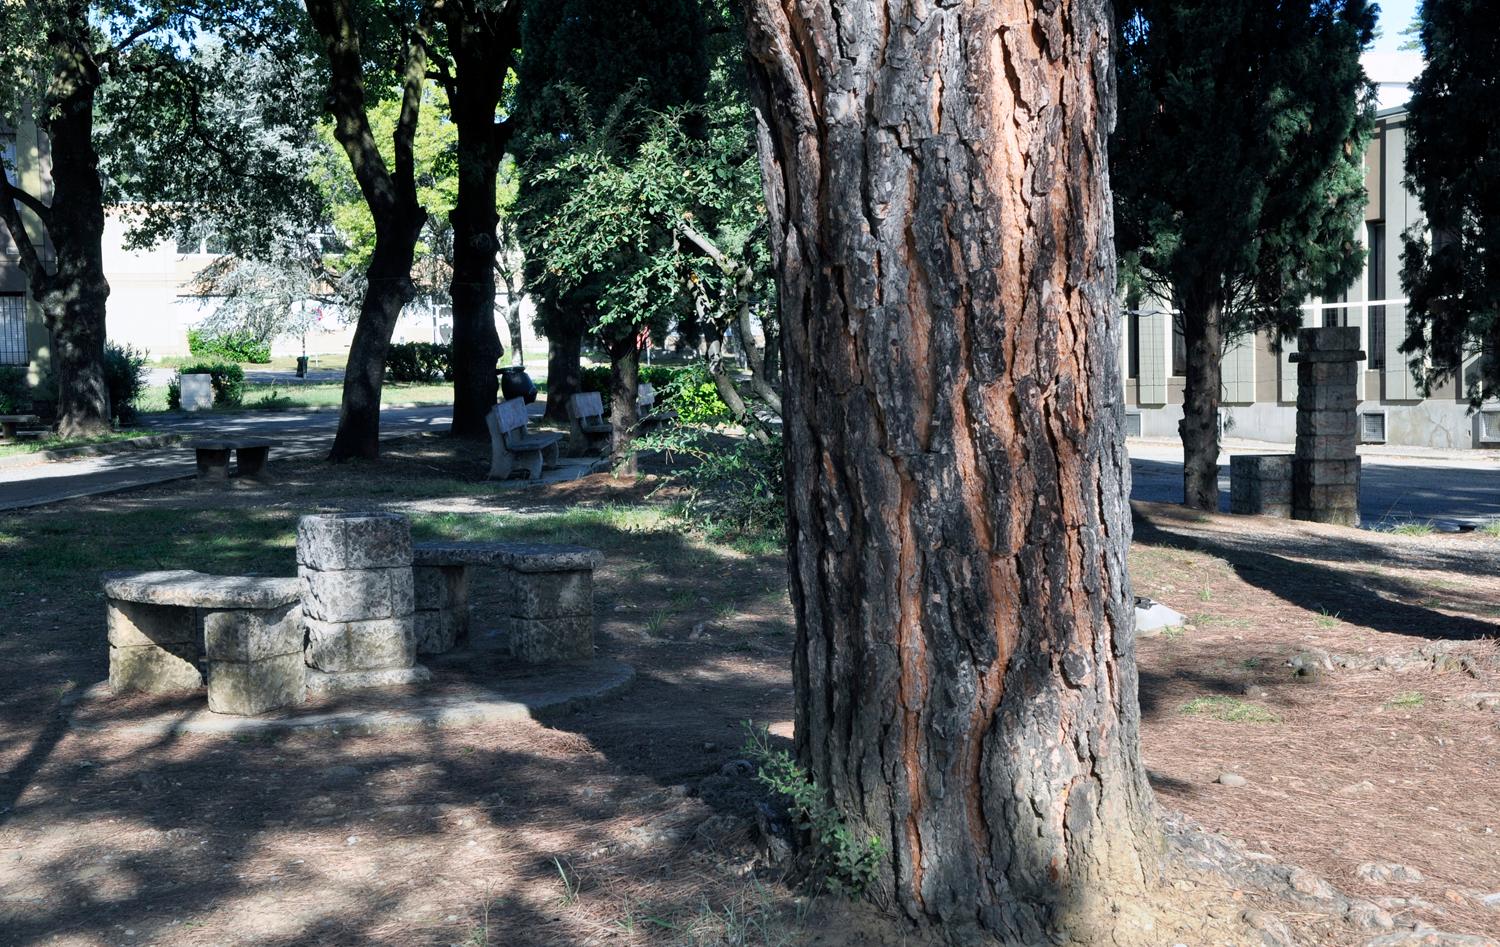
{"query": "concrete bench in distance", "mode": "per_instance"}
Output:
(589, 429)
(251, 456)
(548, 591)
(645, 406)
(8, 424)
(512, 448)
(162, 626)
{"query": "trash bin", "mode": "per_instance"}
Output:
(302, 366)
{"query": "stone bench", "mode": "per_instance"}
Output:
(1261, 485)
(645, 406)
(162, 626)
(548, 590)
(251, 455)
(8, 424)
(588, 428)
(512, 448)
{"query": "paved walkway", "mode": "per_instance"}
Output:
(297, 432)
(1448, 488)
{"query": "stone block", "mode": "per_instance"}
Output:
(171, 669)
(429, 587)
(323, 684)
(1327, 424)
(1328, 339)
(248, 688)
(1324, 398)
(1343, 472)
(540, 641)
(1260, 484)
(1327, 448)
(252, 634)
(548, 594)
(356, 594)
(361, 645)
(197, 392)
(197, 590)
(136, 624)
(437, 631)
(334, 541)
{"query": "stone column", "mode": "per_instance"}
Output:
(1325, 471)
(357, 599)
(550, 592)
(1261, 484)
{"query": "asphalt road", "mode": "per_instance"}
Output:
(1447, 489)
(295, 432)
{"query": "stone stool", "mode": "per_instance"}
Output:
(163, 625)
(357, 596)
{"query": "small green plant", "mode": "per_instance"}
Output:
(1251, 664)
(847, 863)
(1407, 700)
(570, 882)
(656, 623)
(125, 379)
(1413, 528)
(1229, 709)
(1327, 619)
(1205, 594)
(1492, 528)
(15, 392)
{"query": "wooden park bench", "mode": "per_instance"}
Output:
(589, 428)
(8, 424)
(512, 448)
(251, 455)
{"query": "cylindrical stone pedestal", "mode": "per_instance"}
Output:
(357, 598)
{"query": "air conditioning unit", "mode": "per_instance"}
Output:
(1372, 427)
(1132, 424)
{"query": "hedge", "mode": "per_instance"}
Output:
(419, 362)
(227, 378)
(231, 347)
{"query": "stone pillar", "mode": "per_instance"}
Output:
(442, 596)
(1261, 484)
(358, 600)
(1325, 471)
(550, 594)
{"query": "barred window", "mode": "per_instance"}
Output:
(13, 329)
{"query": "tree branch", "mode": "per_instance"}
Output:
(31, 261)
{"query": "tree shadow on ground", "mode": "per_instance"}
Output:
(1369, 599)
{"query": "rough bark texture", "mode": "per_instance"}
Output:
(391, 193)
(564, 364)
(481, 40)
(624, 416)
(1200, 405)
(965, 671)
(74, 292)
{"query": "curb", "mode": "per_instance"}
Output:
(64, 454)
(603, 678)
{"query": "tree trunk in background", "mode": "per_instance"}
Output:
(564, 364)
(390, 289)
(1200, 405)
(956, 475)
(513, 322)
(74, 296)
(624, 376)
(481, 44)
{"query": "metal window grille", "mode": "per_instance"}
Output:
(1132, 424)
(1372, 427)
(13, 349)
(1489, 427)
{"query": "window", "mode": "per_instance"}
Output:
(13, 349)
(1375, 289)
(1179, 348)
(1335, 293)
(1133, 335)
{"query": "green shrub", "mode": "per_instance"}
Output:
(125, 377)
(227, 378)
(735, 488)
(419, 362)
(15, 393)
(685, 389)
(230, 347)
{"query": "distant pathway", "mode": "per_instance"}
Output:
(298, 432)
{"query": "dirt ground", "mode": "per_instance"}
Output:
(624, 822)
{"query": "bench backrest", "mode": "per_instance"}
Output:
(586, 404)
(645, 397)
(511, 415)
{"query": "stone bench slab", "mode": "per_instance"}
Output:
(190, 589)
(248, 443)
(522, 557)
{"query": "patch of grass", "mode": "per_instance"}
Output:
(1251, 664)
(1327, 619)
(570, 882)
(1413, 528)
(1174, 631)
(1492, 528)
(1407, 700)
(32, 445)
(1205, 594)
(1229, 709)
(302, 397)
(656, 623)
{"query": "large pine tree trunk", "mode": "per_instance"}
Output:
(75, 294)
(957, 481)
(624, 415)
(1200, 404)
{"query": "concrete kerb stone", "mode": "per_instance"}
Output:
(576, 685)
(338, 541)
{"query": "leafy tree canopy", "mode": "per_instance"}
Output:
(1453, 166)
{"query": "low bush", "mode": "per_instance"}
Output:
(231, 347)
(15, 393)
(419, 362)
(125, 377)
(685, 389)
(227, 378)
